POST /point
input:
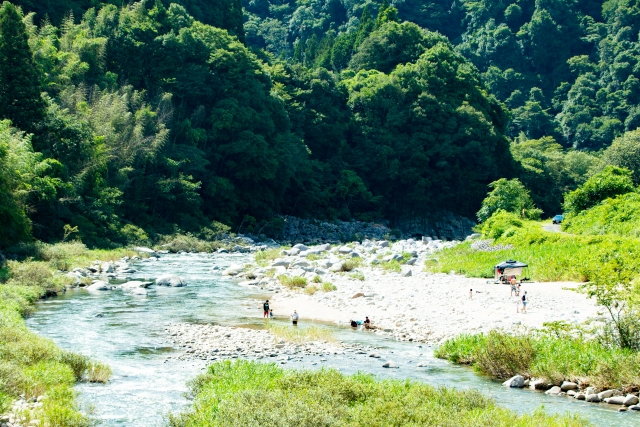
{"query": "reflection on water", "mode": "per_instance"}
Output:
(127, 332)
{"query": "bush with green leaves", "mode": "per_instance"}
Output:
(612, 181)
(509, 196)
(570, 357)
(617, 216)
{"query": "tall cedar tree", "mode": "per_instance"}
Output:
(20, 80)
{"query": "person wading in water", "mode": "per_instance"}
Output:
(265, 306)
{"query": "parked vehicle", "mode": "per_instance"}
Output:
(558, 219)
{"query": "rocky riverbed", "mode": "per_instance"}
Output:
(390, 286)
(216, 342)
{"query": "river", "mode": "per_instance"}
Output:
(127, 332)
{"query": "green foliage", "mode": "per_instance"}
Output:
(20, 78)
(293, 282)
(624, 152)
(541, 355)
(509, 196)
(352, 264)
(33, 366)
(611, 182)
(250, 393)
(549, 172)
(550, 256)
(328, 287)
(618, 216)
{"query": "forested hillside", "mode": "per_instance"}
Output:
(124, 121)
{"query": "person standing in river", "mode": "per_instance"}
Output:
(265, 306)
(294, 317)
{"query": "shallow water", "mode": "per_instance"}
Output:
(127, 332)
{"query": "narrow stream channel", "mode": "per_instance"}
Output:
(127, 332)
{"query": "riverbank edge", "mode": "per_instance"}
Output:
(540, 363)
(41, 374)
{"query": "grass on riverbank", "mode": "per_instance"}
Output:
(551, 256)
(69, 255)
(300, 335)
(548, 357)
(29, 364)
(246, 393)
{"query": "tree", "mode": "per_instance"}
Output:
(611, 182)
(625, 153)
(20, 79)
(510, 196)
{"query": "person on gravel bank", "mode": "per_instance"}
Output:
(525, 300)
(265, 306)
(294, 317)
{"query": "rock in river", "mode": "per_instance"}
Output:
(516, 381)
(170, 280)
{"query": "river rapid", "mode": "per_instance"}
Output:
(128, 333)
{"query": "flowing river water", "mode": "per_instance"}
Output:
(127, 332)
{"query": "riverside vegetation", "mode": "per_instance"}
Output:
(244, 393)
(32, 366)
(602, 252)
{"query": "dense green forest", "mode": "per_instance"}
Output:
(127, 119)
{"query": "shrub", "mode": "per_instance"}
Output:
(392, 265)
(310, 290)
(317, 279)
(352, 263)
(357, 275)
(292, 282)
(263, 258)
(611, 182)
(78, 363)
(504, 356)
(328, 287)
(98, 373)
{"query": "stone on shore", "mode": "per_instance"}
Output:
(593, 398)
(630, 400)
(554, 391)
(390, 364)
(615, 400)
(605, 394)
(516, 381)
(568, 385)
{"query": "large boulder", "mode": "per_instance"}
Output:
(300, 247)
(516, 381)
(606, 394)
(170, 280)
(568, 385)
(279, 262)
(345, 250)
(615, 400)
(554, 391)
(99, 286)
(406, 272)
(593, 398)
(232, 270)
(106, 267)
(144, 250)
(630, 400)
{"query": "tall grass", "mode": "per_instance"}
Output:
(352, 263)
(246, 393)
(68, 255)
(293, 282)
(263, 258)
(552, 358)
(551, 256)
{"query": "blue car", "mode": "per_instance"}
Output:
(557, 219)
